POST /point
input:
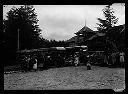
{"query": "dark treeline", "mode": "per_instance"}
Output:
(23, 22)
(54, 43)
(44, 43)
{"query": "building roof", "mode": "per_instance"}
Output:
(96, 35)
(120, 28)
(73, 39)
(81, 31)
(84, 29)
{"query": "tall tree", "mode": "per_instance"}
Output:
(106, 26)
(25, 20)
(109, 21)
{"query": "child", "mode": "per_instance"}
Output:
(88, 66)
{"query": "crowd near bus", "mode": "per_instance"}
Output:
(30, 60)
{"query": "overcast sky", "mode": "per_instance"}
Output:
(60, 22)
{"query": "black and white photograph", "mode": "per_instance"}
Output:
(64, 47)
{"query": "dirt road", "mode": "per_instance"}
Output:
(67, 78)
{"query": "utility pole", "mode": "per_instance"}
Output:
(18, 43)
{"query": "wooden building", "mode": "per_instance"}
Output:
(81, 37)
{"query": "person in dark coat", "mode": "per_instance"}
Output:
(31, 64)
(89, 63)
(24, 63)
(88, 66)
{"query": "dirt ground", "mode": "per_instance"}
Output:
(67, 78)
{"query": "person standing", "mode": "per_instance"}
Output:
(89, 63)
(81, 57)
(113, 55)
(122, 57)
(34, 63)
(31, 64)
(76, 61)
(28, 62)
(88, 66)
(105, 58)
(23, 63)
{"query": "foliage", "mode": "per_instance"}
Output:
(54, 43)
(109, 21)
(113, 39)
(116, 36)
(24, 19)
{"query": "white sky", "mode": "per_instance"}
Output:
(60, 22)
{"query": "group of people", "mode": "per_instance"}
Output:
(28, 62)
(117, 58)
(111, 58)
(66, 59)
(80, 58)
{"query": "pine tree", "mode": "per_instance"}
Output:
(106, 26)
(109, 21)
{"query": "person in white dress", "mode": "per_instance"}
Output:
(121, 57)
(34, 61)
(35, 65)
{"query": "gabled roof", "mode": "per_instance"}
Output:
(96, 35)
(120, 28)
(84, 29)
(81, 31)
(73, 39)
